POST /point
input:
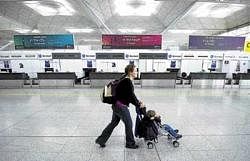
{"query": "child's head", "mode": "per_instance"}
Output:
(151, 114)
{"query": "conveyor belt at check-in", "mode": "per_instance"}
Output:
(61, 79)
(158, 79)
(207, 80)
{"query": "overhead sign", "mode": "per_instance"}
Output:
(174, 56)
(231, 57)
(30, 56)
(244, 57)
(216, 42)
(17, 56)
(247, 47)
(132, 56)
(188, 56)
(66, 55)
(88, 56)
(131, 41)
(65, 41)
(44, 56)
(216, 56)
(4, 56)
(109, 55)
(153, 55)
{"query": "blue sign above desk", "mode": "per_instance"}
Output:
(61, 41)
(216, 42)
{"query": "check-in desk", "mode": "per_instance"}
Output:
(207, 80)
(161, 79)
(244, 80)
(12, 80)
(62, 79)
(100, 79)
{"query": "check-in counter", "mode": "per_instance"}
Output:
(161, 79)
(100, 79)
(244, 80)
(62, 79)
(12, 80)
(207, 80)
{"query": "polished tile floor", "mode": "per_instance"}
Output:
(62, 124)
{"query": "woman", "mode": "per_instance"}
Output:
(124, 96)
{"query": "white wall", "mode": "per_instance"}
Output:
(160, 65)
(106, 65)
(145, 65)
(191, 66)
(37, 65)
(72, 65)
(31, 67)
(229, 68)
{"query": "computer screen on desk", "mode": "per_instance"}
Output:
(173, 69)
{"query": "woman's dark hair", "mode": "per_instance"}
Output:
(129, 68)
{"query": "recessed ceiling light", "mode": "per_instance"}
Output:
(90, 40)
(215, 10)
(75, 30)
(170, 41)
(22, 31)
(51, 7)
(36, 31)
(182, 31)
(136, 7)
(131, 30)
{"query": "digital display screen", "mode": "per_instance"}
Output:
(216, 42)
(89, 64)
(62, 41)
(131, 41)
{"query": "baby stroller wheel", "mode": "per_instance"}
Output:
(169, 137)
(176, 144)
(150, 145)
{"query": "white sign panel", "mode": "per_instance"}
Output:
(30, 56)
(216, 56)
(17, 56)
(174, 56)
(89, 56)
(4, 56)
(244, 57)
(132, 56)
(231, 57)
(44, 56)
(188, 56)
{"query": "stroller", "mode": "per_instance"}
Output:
(150, 129)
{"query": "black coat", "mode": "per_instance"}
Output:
(145, 127)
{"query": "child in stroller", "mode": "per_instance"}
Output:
(149, 127)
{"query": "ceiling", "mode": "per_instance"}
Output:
(104, 18)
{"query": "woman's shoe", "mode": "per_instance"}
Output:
(101, 145)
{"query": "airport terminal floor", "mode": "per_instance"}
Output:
(62, 125)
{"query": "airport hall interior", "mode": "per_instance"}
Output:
(124, 80)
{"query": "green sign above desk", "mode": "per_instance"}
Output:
(62, 41)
